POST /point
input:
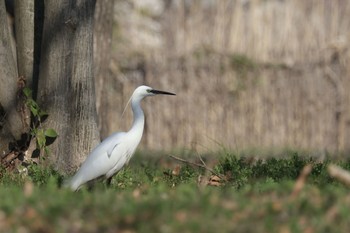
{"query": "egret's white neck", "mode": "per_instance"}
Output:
(139, 117)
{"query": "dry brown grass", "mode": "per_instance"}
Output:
(271, 31)
(288, 89)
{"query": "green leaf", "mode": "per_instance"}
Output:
(42, 113)
(51, 133)
(40, 138)
(34, 110)
(34, 107)
(47, 151)
(33, 131)
(27, 92)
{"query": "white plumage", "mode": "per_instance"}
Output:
(116, 150)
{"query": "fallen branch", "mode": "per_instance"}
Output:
(339, 173)
(203, 165)
(8, 159)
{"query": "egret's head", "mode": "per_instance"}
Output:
(144, 91)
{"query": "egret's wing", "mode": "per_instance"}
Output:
(122, 160)
(99, 161)
(104, 148)
(110, 150)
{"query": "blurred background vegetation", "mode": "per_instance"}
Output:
(247, 73)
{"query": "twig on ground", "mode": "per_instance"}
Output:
(200, 158)
(8, 159)
(203, 165)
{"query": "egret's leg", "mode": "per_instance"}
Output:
(90, 186)
(109, 181)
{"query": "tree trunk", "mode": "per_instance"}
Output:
(66, 84)
(9, 81)
(106, 84)
(24, 26)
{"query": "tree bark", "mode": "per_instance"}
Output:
(8, 78)
(106, 84)
(24, 26)
(66, 84)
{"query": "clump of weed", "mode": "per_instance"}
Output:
(241, 171)
(278, 169)
(235, 169)
(37, 174)
(186, 174)
(7, 178)
(41, 175)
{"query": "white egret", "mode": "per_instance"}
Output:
(115, 151)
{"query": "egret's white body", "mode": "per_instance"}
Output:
(115, 151)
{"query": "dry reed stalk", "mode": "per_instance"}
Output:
(288, 100)
(339, 174)
(301, 181)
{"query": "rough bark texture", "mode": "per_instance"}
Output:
(24, 26)
(24, 23)
(107, 85)
(66, 85)
(8, 80)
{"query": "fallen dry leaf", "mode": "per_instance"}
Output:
(176, 170)
(214, 181)
(30, 213)
(277, 206)
(215, 178)
(181, 216)
(136, 193)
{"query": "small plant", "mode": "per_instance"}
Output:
(41, 175)
(38, 116)
(279, 168)
(180, 175)
(236, 169)
(240, 171)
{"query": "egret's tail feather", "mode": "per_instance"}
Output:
(71, 183)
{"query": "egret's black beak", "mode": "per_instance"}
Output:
(156, 92)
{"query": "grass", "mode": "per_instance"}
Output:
(158, 195)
